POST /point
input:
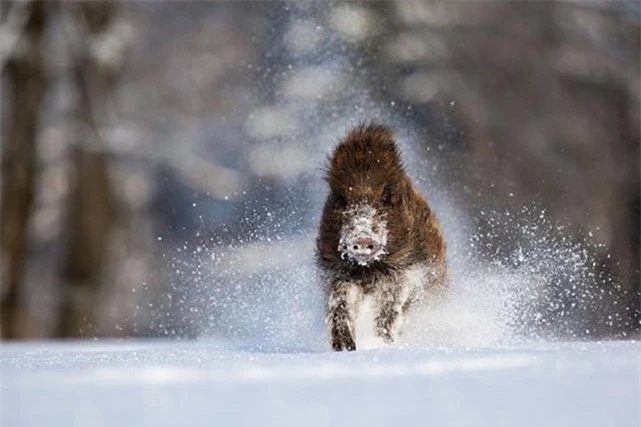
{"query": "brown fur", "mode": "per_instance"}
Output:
(366, 167)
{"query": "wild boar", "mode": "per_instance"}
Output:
(378, 238)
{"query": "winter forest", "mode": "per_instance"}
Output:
(162, 170)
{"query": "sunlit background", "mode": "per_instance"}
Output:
(162, 161)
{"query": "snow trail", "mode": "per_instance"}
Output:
(269, 295)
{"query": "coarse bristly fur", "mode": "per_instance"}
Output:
(375, 232)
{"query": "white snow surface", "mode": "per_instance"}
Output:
(209, 383)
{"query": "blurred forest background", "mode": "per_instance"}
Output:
(135, 134)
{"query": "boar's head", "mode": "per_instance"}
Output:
(365, 221)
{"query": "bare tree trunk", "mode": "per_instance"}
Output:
(92, 213)
(26, 76)
(91, 220)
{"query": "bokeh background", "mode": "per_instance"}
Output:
(162, 161)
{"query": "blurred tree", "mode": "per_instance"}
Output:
(23, 67)
(92, 211)
(92, 44)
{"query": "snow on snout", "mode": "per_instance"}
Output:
(363, 235)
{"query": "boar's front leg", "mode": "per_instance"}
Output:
(391, 302)
(340, 315)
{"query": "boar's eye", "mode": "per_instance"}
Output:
(390, 196)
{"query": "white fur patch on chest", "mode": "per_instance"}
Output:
(365, 318)
(411, 285)
(414, 280)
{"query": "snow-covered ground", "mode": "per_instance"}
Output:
(206, 383)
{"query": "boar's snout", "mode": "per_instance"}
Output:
(364, 247)
(363, 236)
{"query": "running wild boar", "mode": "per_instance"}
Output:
(378, 238)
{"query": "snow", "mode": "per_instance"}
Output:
(210, 383)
